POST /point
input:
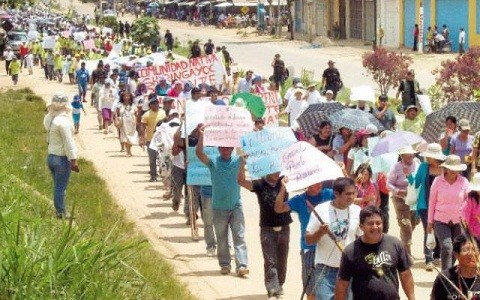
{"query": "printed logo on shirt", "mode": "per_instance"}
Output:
(379, 261)
(340, 229)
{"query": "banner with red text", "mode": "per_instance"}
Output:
(272, 104)
(207, 69)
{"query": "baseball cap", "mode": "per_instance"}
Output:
(464, 124)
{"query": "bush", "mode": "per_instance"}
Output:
(145, 30)
(458, 79)
(110, 22)
(386, 68)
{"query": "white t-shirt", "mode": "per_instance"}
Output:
(295, 108)
(343, 223)
(314, 97)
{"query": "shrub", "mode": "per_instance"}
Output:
(145, 30)
(110, 22)
(458, 79)
(386, 68)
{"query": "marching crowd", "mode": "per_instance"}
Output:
(346, 249)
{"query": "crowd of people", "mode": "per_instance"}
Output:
(346, 248)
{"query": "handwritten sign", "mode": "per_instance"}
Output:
(197, 172)
(48, 42)
(305, 165)
(272, 104)
(225, 125)
(196, 70)
(88, 44)
(264, 149)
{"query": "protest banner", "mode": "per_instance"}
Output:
(272, 104)
(88, 44)
(264, 149)
(225, 125)
(196, 70)
(304, 165)
(48, 42)
(197, 172)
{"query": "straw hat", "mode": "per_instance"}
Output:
(434, 151)
(59, 103)
(299, 91)
(407, 150)
(454, 163)
(475, 183)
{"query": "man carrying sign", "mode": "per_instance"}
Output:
(274, 229)
(227, 208)
(342, 219)
(298, 204)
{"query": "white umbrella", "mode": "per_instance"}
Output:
(363, 92)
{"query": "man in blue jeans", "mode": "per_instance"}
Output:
(227, 208)
(342, 218)
(316, 194)
(274, 229)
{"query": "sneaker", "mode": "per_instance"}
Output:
(153, 179)
(175, 206)
(64, 216)
(211, 252)
(225, 270)
(429, 267)
(167, 196)
(242, 271)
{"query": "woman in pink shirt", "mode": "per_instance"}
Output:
(471, 208)
(367, 191)
(447, 196)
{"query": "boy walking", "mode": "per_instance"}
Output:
(14, 69)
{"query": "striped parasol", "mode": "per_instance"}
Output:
(327, 108)
(435, 122)
(354, 119)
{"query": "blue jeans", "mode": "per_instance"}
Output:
(222, 220)
(60, 168)
(326, 278)
(445, 234)
(207, 216)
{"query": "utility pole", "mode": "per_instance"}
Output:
(310, 20)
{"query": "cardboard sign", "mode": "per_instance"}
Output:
(89, 44)
(305, 165)
(264, 149)
(196, 70)
(197, 172)
(225, 125)
(49, 42)
(272, 103)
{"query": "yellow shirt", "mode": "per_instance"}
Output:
(14, 68)
(415, 125)
(150, 120)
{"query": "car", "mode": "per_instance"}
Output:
(15, 40)
(109, 13)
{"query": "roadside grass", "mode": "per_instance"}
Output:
(100, 256)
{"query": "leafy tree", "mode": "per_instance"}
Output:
(459, 79)
(110, 22)
(145, 30)
(386, 68)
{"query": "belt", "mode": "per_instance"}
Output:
(277, 228)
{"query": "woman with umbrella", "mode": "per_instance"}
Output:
(426, 173)
(462, 144)
(323, 139)
(448, 193)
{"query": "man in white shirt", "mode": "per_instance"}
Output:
(461, 41)
(313, 96)
(296, 106)
(341, 221)
(289, 92)
(8, 56)
(245, 84)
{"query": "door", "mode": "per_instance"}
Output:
(356, 19)
(342, 12)
(409, 17)
(369, 20)
(454, 14)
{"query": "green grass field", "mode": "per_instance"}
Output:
(99, 256)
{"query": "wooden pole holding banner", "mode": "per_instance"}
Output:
(329, 233)
(192, 211)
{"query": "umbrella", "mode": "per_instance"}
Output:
(435, 122)
(328, 108)
(396, 141)
(252, 102)
(153, 4)
(310, 122)
(363, 92)
(354, 119)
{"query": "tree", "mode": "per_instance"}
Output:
(458, 79)
(145, 30)
(110, 22)
(386, 68)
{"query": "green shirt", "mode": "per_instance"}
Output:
(14, 67)
(415, 125)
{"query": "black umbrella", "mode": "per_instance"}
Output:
(310, 122)
(327, 108)
(435, 122)
(354, 119)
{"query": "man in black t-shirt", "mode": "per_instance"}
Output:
(373, 262)
(274, 229)
(331, 79)
(208, 47)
